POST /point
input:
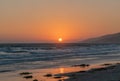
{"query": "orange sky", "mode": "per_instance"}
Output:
(48, 20)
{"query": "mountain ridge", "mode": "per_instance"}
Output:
(109, 38)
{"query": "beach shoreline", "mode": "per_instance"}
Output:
(82, 72)
(110, 72)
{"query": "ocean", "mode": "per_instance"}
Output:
(14, 57)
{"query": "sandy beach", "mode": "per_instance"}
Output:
(100, 72)
(108, 73)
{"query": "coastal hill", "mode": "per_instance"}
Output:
(110, 38)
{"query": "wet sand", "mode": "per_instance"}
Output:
(108, 73)
(82, 72)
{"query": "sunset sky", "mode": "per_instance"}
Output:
(49, 20)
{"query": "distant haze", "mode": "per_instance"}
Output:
(48, 20)
(110, 38)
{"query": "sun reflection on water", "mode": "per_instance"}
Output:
(61, 70)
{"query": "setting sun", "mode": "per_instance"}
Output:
(60, 39)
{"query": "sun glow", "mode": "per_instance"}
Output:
(60, 39)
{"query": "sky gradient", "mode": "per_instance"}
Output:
(48, 20)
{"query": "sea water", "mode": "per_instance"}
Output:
(40, 56)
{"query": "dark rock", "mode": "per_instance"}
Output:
(81, 71)
(106, 64)
(35, 80)
(118, 63)
(81, 65)
(25, 73)
(28, 77)
(98, 69)
(48, 75)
